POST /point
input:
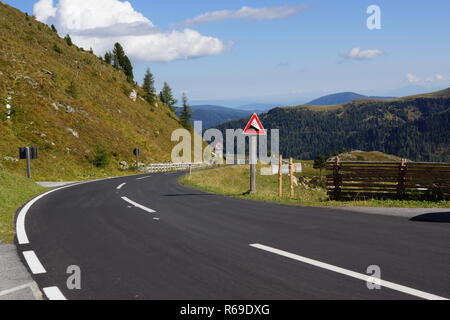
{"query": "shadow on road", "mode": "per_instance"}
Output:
(438, 217)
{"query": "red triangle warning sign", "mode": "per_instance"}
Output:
(254, 126)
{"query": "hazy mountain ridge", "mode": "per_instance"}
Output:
(343, 97)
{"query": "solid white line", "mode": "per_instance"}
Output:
(120, 187)
(360, 276)
(137, 205)
(53, 293)
(144, 178)
(33, 262)
(22, 237)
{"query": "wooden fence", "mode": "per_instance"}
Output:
(398, 180)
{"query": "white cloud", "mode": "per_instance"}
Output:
(415, 79)
(412, 78)
(246, 13)
(358, 54)
(101, 23)
(44, 9)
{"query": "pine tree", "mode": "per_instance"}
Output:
(108, 57)
(166, 96)
(122, 62)
(54, 29)
(186, 113)
(320, 163)
(118, 56)
(128, 69)
(68, 40)
(149, 87)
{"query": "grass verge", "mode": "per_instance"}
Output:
(234, 181)
(15, 190)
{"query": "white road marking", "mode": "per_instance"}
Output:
(137, 205)
(53, 293)
(120, 186)
(22, 237)
(360, 276)
(144, 178)
(33, 262)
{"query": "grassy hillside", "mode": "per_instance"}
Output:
(14, 191)
(416, 127)
(71, 105)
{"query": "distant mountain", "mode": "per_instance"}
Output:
(258, 107)
(340, 98)
(212, 115)
(414, 127)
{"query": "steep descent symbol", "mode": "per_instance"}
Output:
(254, 126)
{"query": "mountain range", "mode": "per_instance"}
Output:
(414, 127)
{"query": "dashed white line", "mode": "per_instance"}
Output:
(137, 205)
(142, 178)
(53, 293)
(120, 186)
(33, 262)
(360, 276)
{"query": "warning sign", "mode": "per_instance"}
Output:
(254, 126)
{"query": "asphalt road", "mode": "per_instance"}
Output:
(147, 237)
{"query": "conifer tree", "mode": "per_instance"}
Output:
(149, 87)
(186, 113)
(68, 40)
(166, 96)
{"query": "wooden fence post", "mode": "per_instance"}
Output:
(401, 179)
(280, 176)
(291, 174)
(337, 179)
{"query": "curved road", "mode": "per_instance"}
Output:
(147, 237)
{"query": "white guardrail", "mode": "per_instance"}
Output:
(167, 167)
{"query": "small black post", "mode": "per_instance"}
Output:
(28, 162)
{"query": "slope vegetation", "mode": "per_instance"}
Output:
(72, 105)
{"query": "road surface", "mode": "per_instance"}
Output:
(147, 237)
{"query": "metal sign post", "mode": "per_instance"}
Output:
(28, 153)
(137, 153)
(254, 129)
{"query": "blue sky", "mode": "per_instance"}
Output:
(301, 56)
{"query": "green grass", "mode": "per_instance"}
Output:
(15, 190)
(234, 181)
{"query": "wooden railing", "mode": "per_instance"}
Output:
(398, 180)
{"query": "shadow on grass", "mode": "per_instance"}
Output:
(437, 217)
